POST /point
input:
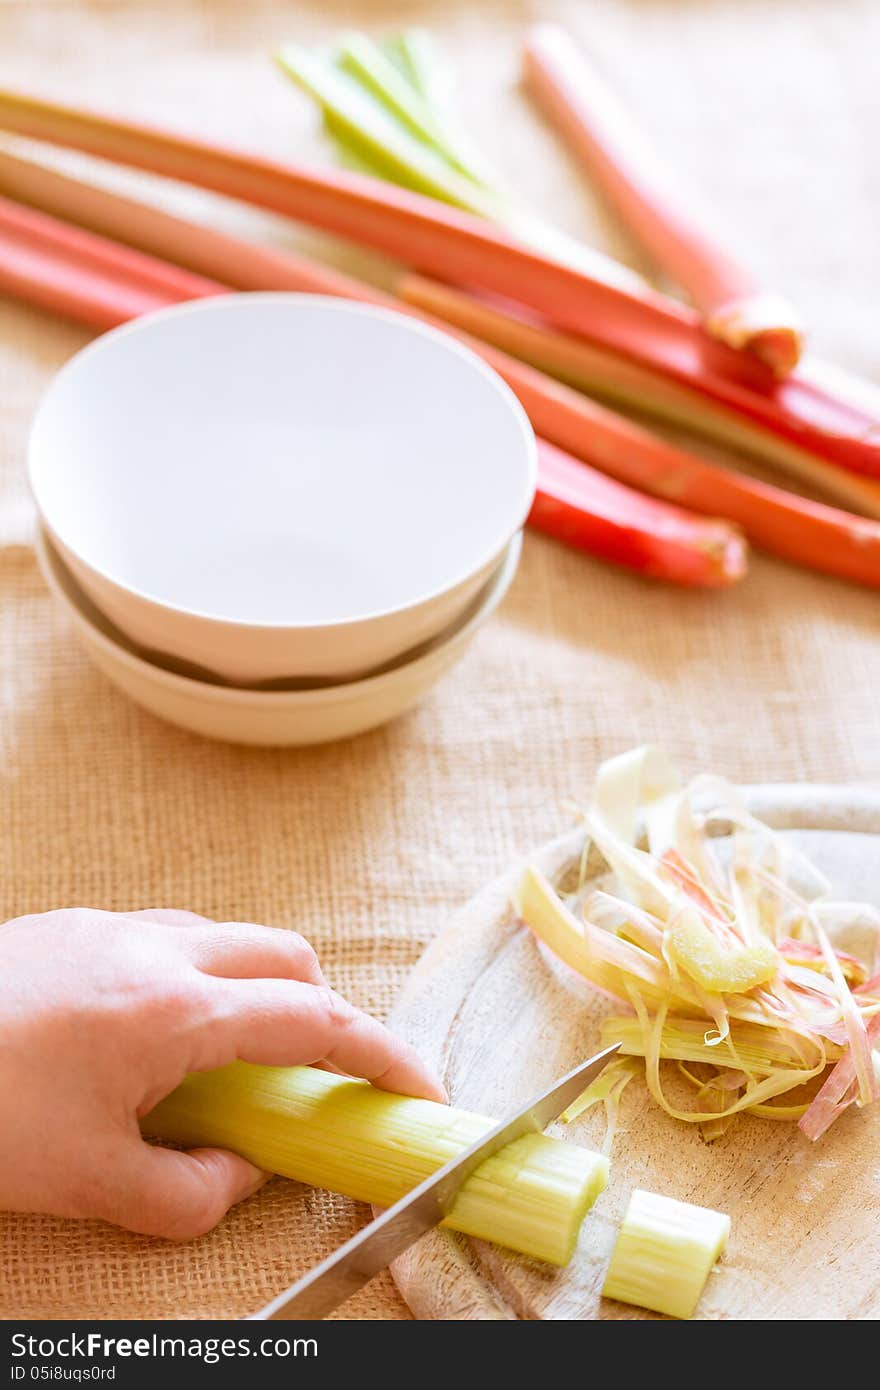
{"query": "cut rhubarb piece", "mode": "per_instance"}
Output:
(664, 1254)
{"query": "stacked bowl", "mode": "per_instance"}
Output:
(278, 518)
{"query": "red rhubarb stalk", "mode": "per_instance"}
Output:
(68, 271)
(732, 303)
(92, 280)
(797, 529)
(615, 379)
(457, 247)
(592, 512)
(779, 521)
(250, 266)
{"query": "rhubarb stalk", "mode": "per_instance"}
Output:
(376, 1146)
(249, 266)
(375, 114)
(593, 512)
(619, 381)
(244, 265)
(68, 271)
(664, 1254)
(799, 530)
(90, 279)
(731, 302)
(463, 249)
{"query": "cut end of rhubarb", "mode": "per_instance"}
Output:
(764, 324)
(732, 556)
(778, 348)
(547, 1211)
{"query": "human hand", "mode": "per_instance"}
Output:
(103, 1014)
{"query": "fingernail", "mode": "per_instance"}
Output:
(260, 1181)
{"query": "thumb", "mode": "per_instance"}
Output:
(163, 1192)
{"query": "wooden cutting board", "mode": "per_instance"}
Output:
(498, 1019)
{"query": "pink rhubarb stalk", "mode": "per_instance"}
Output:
(613, 378)
(455, 246)
(730, 300)
(592, 512)
(94, 281)
(68, 271)
(783, 523)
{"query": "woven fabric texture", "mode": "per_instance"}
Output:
(772, 107)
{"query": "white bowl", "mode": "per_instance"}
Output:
(273, 485)
(288, 717)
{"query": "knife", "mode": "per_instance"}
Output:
(356, 1262)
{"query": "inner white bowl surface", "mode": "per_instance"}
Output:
(279, 461)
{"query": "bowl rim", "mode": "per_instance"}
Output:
(55, 573)
(344, 307)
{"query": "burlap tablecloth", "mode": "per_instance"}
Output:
(772, 105)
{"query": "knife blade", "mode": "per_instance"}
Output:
(341, 1274)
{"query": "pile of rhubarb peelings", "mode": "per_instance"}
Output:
(727, 948)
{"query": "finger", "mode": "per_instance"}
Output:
(169, 916)
(244, 951)
(287, 1023)
(162, 1192)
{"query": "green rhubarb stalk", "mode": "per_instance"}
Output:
(369, 66)
(415, 53)
(368, 126)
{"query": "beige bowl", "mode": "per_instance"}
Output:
(276, 717)
(280, 485)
